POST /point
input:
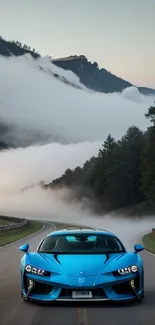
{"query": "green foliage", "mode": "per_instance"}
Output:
(151, 114)
(122, 174)
(149, 242)
(17, 234)
(148, 162)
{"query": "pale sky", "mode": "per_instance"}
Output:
(118, 34)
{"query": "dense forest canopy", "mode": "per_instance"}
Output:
(123, 173)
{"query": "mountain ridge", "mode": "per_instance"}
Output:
(90, 75)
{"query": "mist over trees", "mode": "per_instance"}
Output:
(123, 173)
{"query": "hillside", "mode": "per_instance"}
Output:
(91, 76)
(118, 177)
(89, 73)
(94, 78)
(22, 120)
(58, 127)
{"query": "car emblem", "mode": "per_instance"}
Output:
(82, 280)
(81, 273)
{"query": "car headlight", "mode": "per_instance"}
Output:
(34, 270)
(127, 270)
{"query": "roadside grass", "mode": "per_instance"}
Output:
(149, 242)
(4, 222)
(31, 227)
(13, 235)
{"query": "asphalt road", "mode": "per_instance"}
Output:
(14, 311)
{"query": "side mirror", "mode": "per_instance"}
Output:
(138, 248)
(24, 248)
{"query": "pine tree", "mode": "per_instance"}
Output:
(148, 162)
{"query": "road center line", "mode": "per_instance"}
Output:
(82, 318)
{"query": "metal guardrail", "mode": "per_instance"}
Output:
(13, 226)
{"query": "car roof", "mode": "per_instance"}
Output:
(81, 230)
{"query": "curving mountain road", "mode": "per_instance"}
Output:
(14, 311)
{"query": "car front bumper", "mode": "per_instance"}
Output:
(122, 289)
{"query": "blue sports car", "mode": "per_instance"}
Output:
(78, 264)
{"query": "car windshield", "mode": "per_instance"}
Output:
(81, 244)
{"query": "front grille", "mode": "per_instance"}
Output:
(97, 293)
(123, 288)
(41, 288)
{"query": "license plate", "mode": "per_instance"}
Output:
(81, 294)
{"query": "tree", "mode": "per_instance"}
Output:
(151, 114)
(132, 145)
(108, 146)
(115, 175)
(148, 162)
(97, 174)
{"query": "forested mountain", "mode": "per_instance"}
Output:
(123, 173)
(97, 79)
(89, 73)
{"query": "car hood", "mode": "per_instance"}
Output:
(73, 264)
